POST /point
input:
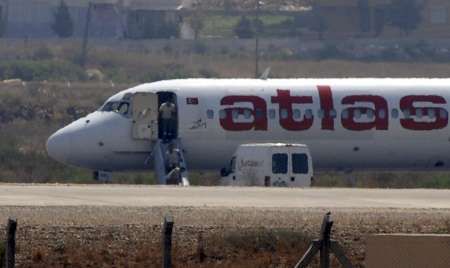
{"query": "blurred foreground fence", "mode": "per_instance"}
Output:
(8, 252)
(326, 246)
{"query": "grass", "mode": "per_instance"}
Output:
(385, 179)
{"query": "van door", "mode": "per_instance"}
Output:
(145, 116)
(280, 171)
(301, 169)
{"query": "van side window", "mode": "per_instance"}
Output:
(279, 163)
(300, 164)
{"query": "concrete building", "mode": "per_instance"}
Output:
(109, 18)
(369, 18)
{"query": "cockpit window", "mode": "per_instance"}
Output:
(121, 107)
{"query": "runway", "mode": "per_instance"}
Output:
(161, 196)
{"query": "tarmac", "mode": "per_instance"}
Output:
(36, 195)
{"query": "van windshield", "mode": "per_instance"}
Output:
(121, 107)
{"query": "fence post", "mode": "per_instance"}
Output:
(167, 241)
(326, 246)
(201, 248)
(10, 250)
(325, 235)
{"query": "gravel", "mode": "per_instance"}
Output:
(233, 237)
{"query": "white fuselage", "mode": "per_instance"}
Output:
(346, 123)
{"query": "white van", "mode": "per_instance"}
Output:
(269, 164)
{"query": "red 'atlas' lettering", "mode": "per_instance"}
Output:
(326, 105)
(407, 103)
(379, 123)
(285, 101)
(259, 113)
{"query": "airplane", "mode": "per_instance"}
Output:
(348, 124)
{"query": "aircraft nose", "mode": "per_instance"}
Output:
(59, 146)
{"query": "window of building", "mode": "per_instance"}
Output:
(279, 163)
(439, 15)
(300, 163)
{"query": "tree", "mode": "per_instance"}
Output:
(244, 28)
(62, 21)
(405, 15)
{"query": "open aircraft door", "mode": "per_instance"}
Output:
(145, 116)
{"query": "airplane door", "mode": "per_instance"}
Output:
(145, 116)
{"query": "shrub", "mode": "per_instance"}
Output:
(42, 53)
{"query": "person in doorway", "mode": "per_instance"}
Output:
(174, 176)
(173, 157)
(167, 112)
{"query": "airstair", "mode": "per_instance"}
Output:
(160, 160)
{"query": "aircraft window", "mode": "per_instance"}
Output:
(259, 113)
(419, 113)
(300, 164)
(247, 114)
(443, 113)
(210, 114)
(283, 113)
(320, 113)
(432, 113)
(357, 114)
(406, 113)
(297, 113)
(370, 114)
(308, 114)
(235, 114)
(333, 113)
(272, 114)
(382, 113)
(345, 114)
(117, 107)
(394, 113)
(222, 114)
(279, 163)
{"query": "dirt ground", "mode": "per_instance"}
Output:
(232, 237)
